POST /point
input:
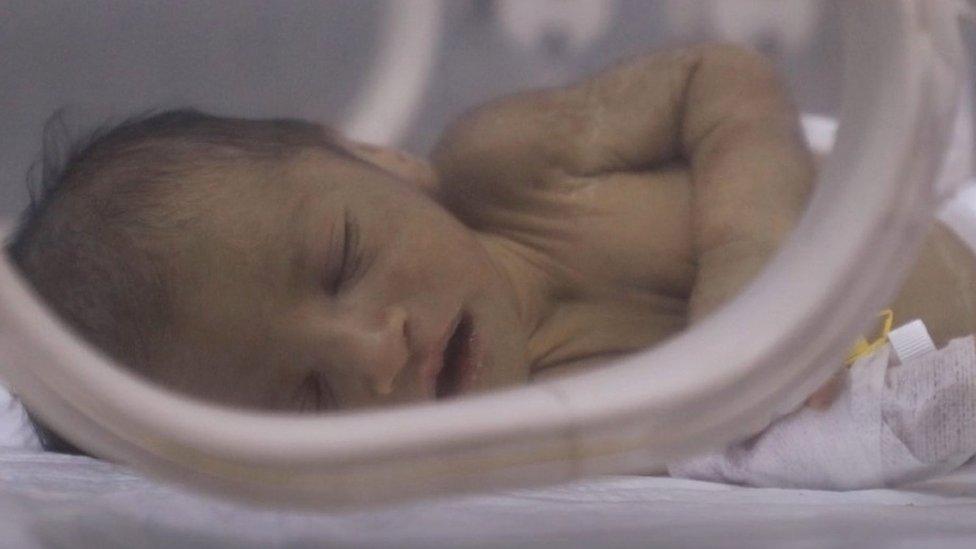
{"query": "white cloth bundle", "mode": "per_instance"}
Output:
(890, 424)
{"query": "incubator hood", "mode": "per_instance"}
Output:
(904, 77)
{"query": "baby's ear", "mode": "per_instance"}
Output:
(411, 169)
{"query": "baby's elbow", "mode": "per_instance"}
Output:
(734, 89)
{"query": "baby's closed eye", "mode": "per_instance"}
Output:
(347, 264)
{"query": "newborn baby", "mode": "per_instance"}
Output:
(273, 264)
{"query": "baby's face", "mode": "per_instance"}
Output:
(334, 283)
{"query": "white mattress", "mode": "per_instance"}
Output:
(50, 500)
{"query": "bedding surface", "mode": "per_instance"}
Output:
(51, 500)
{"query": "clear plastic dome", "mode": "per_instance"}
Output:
(891, 72)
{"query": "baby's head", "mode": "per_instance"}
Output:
(269, 264)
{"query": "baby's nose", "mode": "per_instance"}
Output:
(380, 348)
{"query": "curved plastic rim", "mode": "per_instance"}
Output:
(718, 381)
(395, 86)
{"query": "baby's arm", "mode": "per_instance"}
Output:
(718, 110)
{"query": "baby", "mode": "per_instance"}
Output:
(273, 264)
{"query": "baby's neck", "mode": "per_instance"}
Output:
(525, 271)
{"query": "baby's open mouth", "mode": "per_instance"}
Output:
(457, 372)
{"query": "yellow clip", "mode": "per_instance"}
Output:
(864, 348)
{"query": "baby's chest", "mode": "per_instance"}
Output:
(631, 230)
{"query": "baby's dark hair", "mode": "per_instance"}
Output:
(94, 240)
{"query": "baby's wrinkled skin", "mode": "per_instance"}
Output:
(565, 224)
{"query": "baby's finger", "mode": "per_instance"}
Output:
(823, 397)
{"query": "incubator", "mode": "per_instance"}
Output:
(885, 90)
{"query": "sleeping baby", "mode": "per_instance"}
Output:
(274, 264)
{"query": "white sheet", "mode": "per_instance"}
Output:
(50, 500)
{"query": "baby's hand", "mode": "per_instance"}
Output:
(716, 111)
(824, 397)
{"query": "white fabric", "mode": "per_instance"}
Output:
(16, 430)
(49, 500)
(890, 424)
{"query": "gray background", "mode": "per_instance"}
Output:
(105, 60)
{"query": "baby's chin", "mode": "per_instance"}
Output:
(505, 374)
(505, 364)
